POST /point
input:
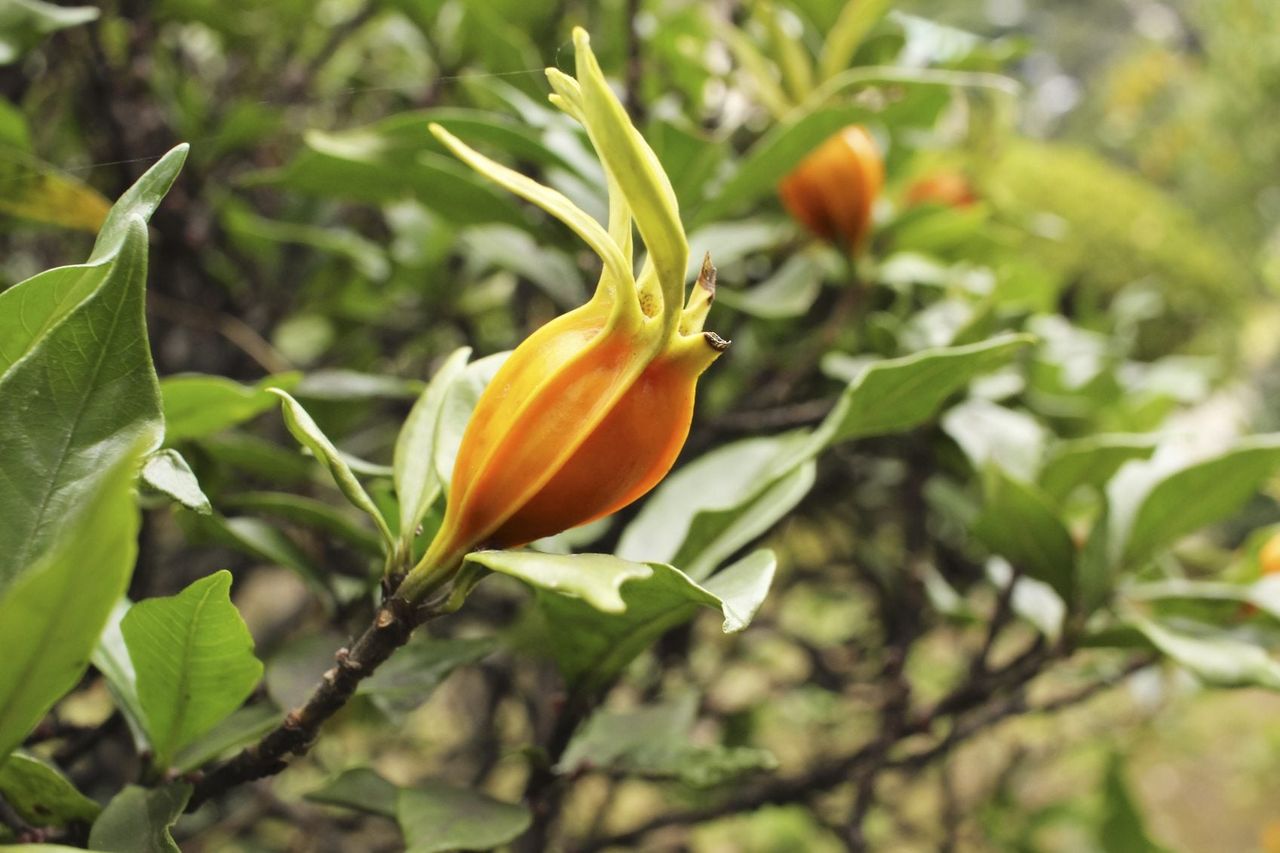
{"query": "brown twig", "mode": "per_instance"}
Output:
(390, 629)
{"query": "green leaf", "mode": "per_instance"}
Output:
(25, 23)
(349, 385)
(847, 34)
(602, 610)
(773, 157)
(196, 405)
(416, 478)
(111, 658)
(1018, 522)
(168, 473)
(367, 164)
(1122, 829)
(790, 50)
(309, 434)
(653, 741)
(1152, 507)
(78, 386)
(741, 471)
(896, 394)
(76, 402)
(138, 820)
(310, 513)
(41, 795)
(991, 435)
(789, 292)
(50, 617)
(507, 248)
(194, 661)
(38, 192)
(359, 788)
(405, 681)
(1215, 657)
(243, 727)
(31, 308)
(1090, 461)
(1263, 594)
(437, 817)
(259, 539)
(455, 412)
(138, 202)
(368, 258)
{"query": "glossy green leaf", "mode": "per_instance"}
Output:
(41, 795)
(990, 434)
(31, 308)
(138, 820)
(405, 681)
(371, 165)
(436, 817)
(605, 610)
(790, 51)
(111, 658)
(789, 292)
(259, 539)
(194, 661)
(741, 472)
(309, 434)
(1122, 829)
(138, 202)
(243, 727)
(78, 386)
(359, 788)
(653, 741)
(50, 617)
(368, 258)
(417, 480)
(1264, 594)
(77, 401)
(847, 34)
(1152, 507)
(897, 394)
(455, 411)
(514, 249)
(310, 513)
(1090, 461)
(196, 405)
(168, 473)
(1214, 656)
(1018, 522)
(352, 385)
(25, 23)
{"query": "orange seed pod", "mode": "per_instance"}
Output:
(589, 412)
(945, 188)
(833, 189)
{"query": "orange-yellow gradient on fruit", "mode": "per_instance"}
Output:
(833, 189)
(591, 410)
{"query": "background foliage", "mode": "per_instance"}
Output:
(966, 535)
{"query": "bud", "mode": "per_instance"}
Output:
(945, 188)
(833, 189)
(591, 410)
(1269, 556)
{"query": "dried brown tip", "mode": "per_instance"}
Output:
(713, 340)
(707, 276)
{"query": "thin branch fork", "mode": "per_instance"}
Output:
(394, 622)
